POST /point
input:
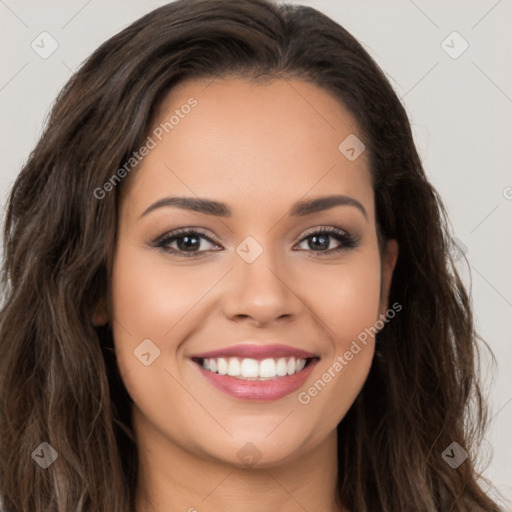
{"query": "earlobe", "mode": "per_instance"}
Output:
(100, 315)
(98, 320)
(389, 259)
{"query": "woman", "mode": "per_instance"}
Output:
(228, 283)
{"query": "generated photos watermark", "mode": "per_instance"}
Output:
(304, 397)
(151, 142)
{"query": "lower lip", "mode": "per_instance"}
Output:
(258, 390)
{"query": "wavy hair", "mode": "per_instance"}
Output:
(59, 382)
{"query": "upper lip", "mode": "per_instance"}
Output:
(255, 351)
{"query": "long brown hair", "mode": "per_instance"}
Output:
(58, 379)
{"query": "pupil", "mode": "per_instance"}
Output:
(183, 240)
(324, 241)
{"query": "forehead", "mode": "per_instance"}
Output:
(251, 145)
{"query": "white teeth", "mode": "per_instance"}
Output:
(248, 368)
(222, 366)
(291, 366)
(234, 367)
(281, 367)
(267, 368)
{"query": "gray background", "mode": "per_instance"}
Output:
(460, 109)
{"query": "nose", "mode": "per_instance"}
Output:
(260, 292)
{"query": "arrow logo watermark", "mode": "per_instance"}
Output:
(351, 147)
(454, 455)
(249, 249)
(45, 455)
(146, 352)
(249, 454)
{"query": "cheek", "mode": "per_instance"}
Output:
(150, 297)
(151, 302)
(347, 303)
(346, 297)
(156, 300)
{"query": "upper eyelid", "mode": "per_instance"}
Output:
(331, 229)
(184, 231)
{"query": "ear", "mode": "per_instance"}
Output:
(389, 259)
(100, 314)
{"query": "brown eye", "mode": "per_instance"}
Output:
(187, 242)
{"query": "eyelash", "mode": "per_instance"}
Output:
(347, 241)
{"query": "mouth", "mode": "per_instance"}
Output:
(252, 369)
(255, 372)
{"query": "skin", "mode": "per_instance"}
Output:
(259, 149)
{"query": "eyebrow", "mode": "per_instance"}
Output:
(210, 207)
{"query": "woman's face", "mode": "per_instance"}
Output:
(262, 289)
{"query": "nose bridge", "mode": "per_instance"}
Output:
(260, 285)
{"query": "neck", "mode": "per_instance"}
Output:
(173, 478)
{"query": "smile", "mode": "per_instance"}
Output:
(253, 369)
(254, 372)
